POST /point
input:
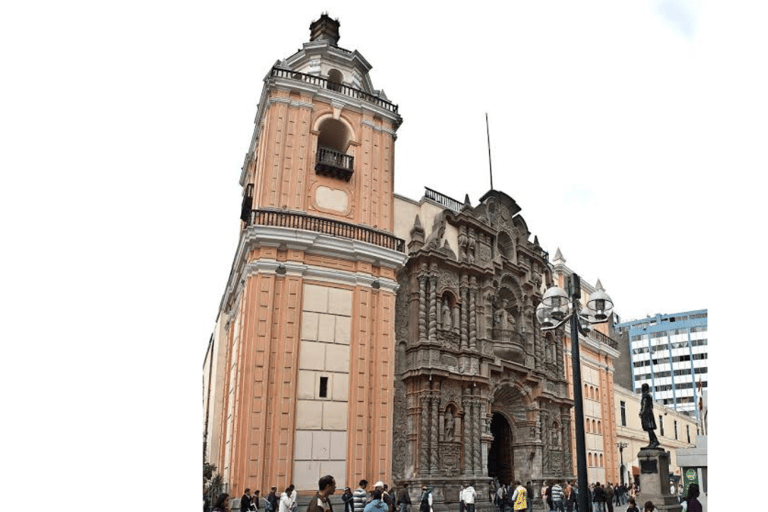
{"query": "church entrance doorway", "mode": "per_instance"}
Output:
(500, 461)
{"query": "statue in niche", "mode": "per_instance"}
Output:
(450, 426)
(471, 245)
(462, 243)
(446, 315)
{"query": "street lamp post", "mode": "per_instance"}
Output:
(558, 307)
(621, 447)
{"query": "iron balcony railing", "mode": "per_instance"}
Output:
(333, 86)
(443, 200)
(334, 163)
(295, 220)
(602, 338)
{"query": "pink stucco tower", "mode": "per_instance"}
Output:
(300, 367)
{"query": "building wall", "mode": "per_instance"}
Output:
(629, 429)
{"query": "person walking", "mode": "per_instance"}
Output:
(222, 503)
(271, 501)
(529, 495)
(598, 498)
(609, 496)
(571, 501)
(468, 497)
(692, 500)
(425, 503)
(321, 501)
(519, 498)
(377, 504)
(649, 507)
(348, 500)
(461, 497)
(286, 502)
(360, 496)
(632, 506)
(245, 501)
(557, 497)
(404, 499)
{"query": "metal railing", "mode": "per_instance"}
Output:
(602, 338)
(334, 163)
(333, 86)
(295, 220)
(442, 199)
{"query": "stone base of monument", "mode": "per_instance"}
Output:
(654, 481)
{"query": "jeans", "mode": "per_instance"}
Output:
(599, 506)
(558, 505)
(404, 507)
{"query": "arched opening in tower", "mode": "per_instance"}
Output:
(500, 461)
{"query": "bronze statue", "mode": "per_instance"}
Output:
(646, 416)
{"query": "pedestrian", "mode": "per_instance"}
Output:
(377, 504)
(529, 495)
(425, 503)
(404, 499)
(245, 501)
(286, 502)
(222, 503)
(468, 497)
(694, 505)
(271, 503)
(609, 497)
(573, 496)
(648, 507)
(360, 496)
(461, 497)
(598, 498)
(544, 489)
(255, 504)
(632, 506)
(348, 500)
(382, 488)
(557, 497)
(321, 501)
(519, 498)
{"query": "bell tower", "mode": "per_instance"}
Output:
(306, 324)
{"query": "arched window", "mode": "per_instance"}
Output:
(335, 79)
(332, 144)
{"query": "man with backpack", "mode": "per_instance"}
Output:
(270, 504)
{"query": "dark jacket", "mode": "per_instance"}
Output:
(405, 497)
(314, 504)
(598, 496)
(245, 503)
(349, 502)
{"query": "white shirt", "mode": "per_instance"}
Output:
(468, 495)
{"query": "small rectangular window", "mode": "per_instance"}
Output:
(323, 387)
(623, 414)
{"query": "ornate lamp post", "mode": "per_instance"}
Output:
(621, 447)
(558, 307)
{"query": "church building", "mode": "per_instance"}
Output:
(371, 336)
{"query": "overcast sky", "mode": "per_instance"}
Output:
(631, 134)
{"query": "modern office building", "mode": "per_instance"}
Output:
(669, 353)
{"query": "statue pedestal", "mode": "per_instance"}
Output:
(654, 480)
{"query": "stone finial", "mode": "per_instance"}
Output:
(325, 29)
(417, 236)
(558, 257)
(599, 285)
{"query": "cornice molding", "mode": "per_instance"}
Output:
(313, 243)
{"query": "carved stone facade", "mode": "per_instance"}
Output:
(480, 392)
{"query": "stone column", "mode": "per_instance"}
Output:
(432, 308)
(472, 314)
(433, 445)
(464, 313)
(424, 437)
(477, 431)
(422, 307)
(559, 358)
(467, 426)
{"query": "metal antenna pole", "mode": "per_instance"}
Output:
(488, 132)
